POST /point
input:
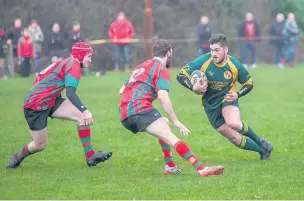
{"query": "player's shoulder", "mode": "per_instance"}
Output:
(204, 58)
(70, 62)
(72, 66)
(150, 63)
(235, 62)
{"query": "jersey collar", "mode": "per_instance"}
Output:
(222, 64)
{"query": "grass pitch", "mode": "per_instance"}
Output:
(274, 109)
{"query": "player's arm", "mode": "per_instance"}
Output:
(245, 79)
(75, 100)
(166, 104)
(183, 77)
(162, 89)
(71, 80)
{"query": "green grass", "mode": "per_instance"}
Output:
(274, 109)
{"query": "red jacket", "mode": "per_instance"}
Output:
(26, 48)
(121, 30)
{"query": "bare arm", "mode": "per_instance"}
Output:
(166, 104)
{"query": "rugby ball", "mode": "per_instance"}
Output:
(196, 75)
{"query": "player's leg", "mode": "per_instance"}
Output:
(161, 129)
(64, 109)
(138, 123)
(218, 122)
(167, 154)
(231, 114)
(37, 121)
(166, 149)
(238, 140)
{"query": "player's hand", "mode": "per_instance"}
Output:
(88, 118)
(198, 88)
(183, 129)
(231, 96)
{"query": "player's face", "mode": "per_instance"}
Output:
(87, 60)
(169, 59)
(218, 53)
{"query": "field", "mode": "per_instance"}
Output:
(275, 110)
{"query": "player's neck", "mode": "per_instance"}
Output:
(162, 60)
(223, 63)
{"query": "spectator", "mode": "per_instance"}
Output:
(26, 51)
(291, 35)
(56, 43)
(277, 31)
(120, 32)
(13, 36)
(2, 55)
(75, 35)
(204, 33)
(104, 60)
(37, 38)
(249, 30)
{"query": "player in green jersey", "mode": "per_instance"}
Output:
(220, 95)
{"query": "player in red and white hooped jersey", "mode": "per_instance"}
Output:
(149, 81)
(44, 100)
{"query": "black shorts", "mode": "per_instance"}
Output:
(37, 120)
(139, 122)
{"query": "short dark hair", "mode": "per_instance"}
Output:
(161, 48)
(218, 38)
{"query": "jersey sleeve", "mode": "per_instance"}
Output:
(164, 80)
(72, 75)
(243, 76)
(195, 64)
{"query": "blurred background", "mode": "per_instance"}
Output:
(35, 33)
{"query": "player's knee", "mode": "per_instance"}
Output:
(235, 125)
(221, 129)
(170, 138)
(236, 140)
(79, 118)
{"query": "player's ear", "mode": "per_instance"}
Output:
(168, 54)
(226, 49)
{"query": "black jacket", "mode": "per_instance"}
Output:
(74, 37)
(277, 30)
(56, 41)
(204, 34)
(14, 34)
